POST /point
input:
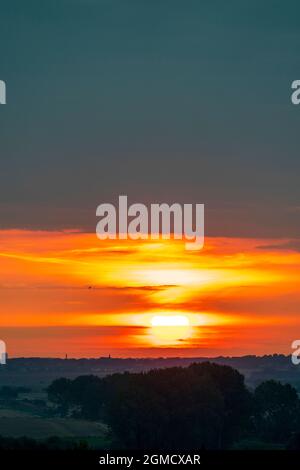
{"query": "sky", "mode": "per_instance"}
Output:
(165, 101)
(69, 293)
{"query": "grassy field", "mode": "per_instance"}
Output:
(16, 424)
(30, 416)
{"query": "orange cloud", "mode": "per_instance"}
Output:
(57, 281)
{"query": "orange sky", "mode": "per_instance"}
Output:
(68, 292)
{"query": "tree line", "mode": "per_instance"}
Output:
(201, 406)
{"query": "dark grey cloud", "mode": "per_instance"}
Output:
(157, 100)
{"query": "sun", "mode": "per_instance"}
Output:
(170, 330)
(170, 320)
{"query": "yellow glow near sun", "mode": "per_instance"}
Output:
(169, 330)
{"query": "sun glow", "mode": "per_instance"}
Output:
(169, 330)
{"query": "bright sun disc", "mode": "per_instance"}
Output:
(170, 320)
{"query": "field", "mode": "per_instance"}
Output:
(13, 424)
(18, 424)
